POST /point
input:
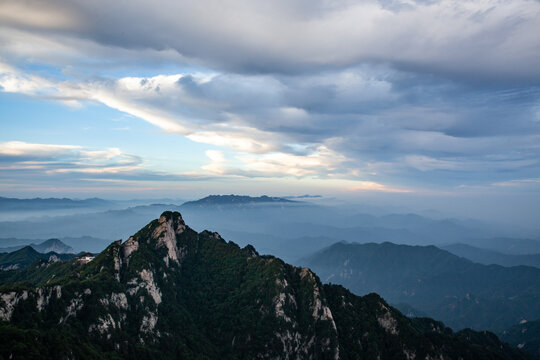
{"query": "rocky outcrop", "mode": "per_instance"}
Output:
(167, 231)
(8, 302)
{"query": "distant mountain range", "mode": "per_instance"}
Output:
(170, 292)
(224, 200)
(290, 229)
(110, 224)
(51, 245)
(13, 204)
(507, 245)
(442, 285)
(487, 257)
(63, 245)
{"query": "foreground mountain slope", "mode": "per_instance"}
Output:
(25, 256)
(455, 290)
(169, 292)
(525, 335)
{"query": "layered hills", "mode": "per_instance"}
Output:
(170, 292)
(442, 285)
(27, 255)
(269, 223)
(234, 200)
(486, 256)
(51, 245)
(13, 204)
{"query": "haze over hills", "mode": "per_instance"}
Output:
(110, 224)
(291, 230)
(171, 292)
(487, 257)
(14, 204)
(506, 245)
(275, 225)
(449, 288)
(77, 244)
(54, 245)
(215, 201)
(14, 209)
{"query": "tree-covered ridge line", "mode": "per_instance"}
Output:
(170, 292)
(442, 285)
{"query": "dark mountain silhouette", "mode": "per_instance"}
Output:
(444, 286)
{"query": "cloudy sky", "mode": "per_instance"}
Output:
(139, 98)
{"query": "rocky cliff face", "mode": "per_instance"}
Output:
(169, 292)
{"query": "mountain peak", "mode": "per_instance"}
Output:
(54, 245)
(171, 220)
(161, 241)
(27, 250)
(170, 226)
(172, 216)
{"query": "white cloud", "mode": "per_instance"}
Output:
(535, 182)
(23, 149)
(321, 162)
(217, 162)
(361, 186)
(350, 124)
(53, 158)
(244, 139)
(488, 38)
(425, 163)
(153, 115)
(11, 80)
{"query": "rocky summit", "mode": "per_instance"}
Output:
(169, 292)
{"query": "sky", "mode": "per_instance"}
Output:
(398, 100)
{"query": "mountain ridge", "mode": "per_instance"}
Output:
(171, 292)
(50, 245)
(487, 257)
(442, 285)
(27, 255)
(224, 200)
(15, 204)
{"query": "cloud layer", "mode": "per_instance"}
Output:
(483, 39)
(361, 123)
(404, 93)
